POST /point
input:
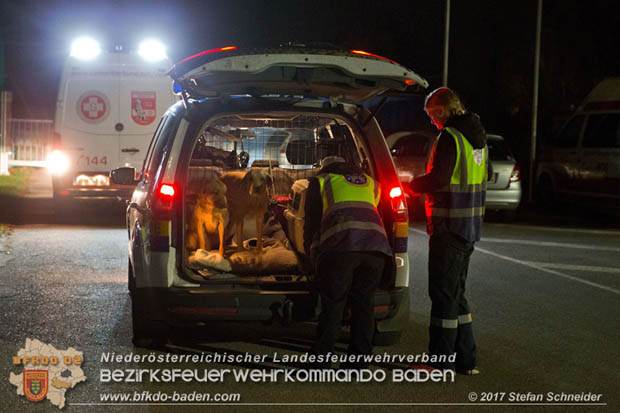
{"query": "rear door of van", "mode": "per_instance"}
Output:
(145, 93)
(89, 114)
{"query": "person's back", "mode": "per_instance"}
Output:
(345, 233)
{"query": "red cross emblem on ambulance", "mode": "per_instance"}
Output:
(93, 107)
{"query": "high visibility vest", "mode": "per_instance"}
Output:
(459, 206)
(350, 219)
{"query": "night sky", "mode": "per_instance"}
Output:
(491, 50)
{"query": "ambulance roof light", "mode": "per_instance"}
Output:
(85, 48)
(152, 50)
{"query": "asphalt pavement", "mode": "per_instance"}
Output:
(544, 291)
(545, 312)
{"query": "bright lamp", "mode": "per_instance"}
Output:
(152, 50)
(85, 48)
(57, 163)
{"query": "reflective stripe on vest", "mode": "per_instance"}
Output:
(350, 219)
(460, 204)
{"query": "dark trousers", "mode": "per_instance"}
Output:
(450, 328)
(352, 275)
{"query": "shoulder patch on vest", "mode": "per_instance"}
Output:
(356, 179)
(478, 156)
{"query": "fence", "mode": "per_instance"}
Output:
(30, 139)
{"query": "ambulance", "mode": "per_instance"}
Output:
(109, 104)
(581, 164)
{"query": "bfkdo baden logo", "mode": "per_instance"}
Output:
(47, 372)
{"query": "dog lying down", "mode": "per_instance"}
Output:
(247, 193)
(276, 258)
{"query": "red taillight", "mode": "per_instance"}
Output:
(167, 190)
(165, 197)
(56, 145)
(221, 49)
(399, 204)
(515, 176)
(396, 192)
(363, 53)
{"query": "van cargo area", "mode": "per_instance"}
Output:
(256, 158)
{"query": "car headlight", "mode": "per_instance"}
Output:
(152, 50)
(85, 48)
(57, 162)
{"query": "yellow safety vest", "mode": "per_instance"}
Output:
(350, 219)
(459, 206)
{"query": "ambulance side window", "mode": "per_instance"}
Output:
(602, 131)
(569, 136)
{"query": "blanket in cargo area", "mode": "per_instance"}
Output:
(275, 258)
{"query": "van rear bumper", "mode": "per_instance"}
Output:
(64, 190)
(97, 193)
(178, 305)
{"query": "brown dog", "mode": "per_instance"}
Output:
(247, 193)
(208, 221)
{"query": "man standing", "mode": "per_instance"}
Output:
(455, 184)
(347, 242)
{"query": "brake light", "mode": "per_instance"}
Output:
(399, 204)
(515, 176)
(56, 141)
(164, 198)
(363, 53)
(167, 190)
(396, 192)
(221, 49)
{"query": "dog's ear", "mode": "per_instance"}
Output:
(248, 181)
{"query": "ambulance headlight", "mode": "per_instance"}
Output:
(152, 50)
(85, 48)
(57, 162)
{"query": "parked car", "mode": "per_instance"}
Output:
(410, 151)
(581, 163)
(226, 93)
(504, 185)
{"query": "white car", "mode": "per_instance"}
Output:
(229, 96)
(504, 185)
(581, 164)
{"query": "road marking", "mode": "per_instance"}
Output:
(553, 265)
(574, 230)
(550, 244)
(559, 274)
(538, 267)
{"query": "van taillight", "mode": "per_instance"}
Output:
(164, 198)
(399, 204)
(56, 141)
(166, 190)
(515, 176)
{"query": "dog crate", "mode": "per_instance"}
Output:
(288, 148)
